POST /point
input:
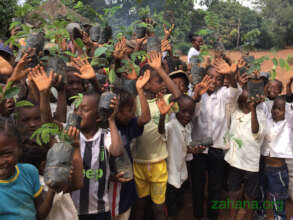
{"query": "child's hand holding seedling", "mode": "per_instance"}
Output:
(114, 105)
(166, 46)
(196, 149)
(242, 79)
(85, 69)
(168, 31)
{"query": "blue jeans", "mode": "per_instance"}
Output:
(274, 183)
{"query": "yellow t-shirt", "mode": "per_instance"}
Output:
(151, 146)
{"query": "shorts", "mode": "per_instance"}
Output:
(174, 200)
(249, 179)
(151, 180)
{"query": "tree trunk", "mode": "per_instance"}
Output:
(238, 30)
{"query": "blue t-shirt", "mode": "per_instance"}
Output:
(123, 195)
(17, 194)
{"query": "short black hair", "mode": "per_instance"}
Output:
(17, 110)
(126, 98)
(8, 128)
(92, 92)
(183, 98)
(279, 82)
(192, 37)
(173, 63)
(34, 155)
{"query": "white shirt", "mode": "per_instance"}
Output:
(278, 140)
(192, 52)
(247, 156)
(267, 106)
(210, 118)
(178, 138)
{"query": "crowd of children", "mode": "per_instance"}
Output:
(170, 128)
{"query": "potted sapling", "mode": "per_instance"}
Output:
(153, 44)
(95, 33)
(57, 65)
(59, 156)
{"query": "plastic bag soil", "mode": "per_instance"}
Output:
(123, 164)
(206, 141)
(105, 35)
(58, 66)
(35, 40)
(153, 44)
(197, 74)
(95, 33)
(255, 87)
(104, 105)
(73, 121)
(58, 165)
(140, 31)
(128, 85)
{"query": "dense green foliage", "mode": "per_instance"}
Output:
(237, 26)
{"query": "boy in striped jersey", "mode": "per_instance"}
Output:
(92, 201)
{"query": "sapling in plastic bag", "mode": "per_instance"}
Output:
(154, 44)
(104, 105)
(95, 33)
(59, 157)
(205, 141)
(123, 164)
(105, 35)
(57, 65)
(255, 87)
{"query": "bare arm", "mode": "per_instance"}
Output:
(145, 116)
(161, 127)
(155, 61)
(43, 204)
(254, 121)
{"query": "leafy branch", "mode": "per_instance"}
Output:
(43, 134)
(77, 100)
(228, 137)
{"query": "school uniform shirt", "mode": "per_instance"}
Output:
(267, 106)
(210, 117)
(93, 198)
(151, 146)
(123, 195)
(178, 138)
(247, 156)
(192, 52)
(278, 140)
(17, 194)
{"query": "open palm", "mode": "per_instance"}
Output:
(163, 106)
(40, 78)
(85, 69)
(142, 80)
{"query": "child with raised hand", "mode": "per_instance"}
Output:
(178, 135)
(92, 201)
(276, 148)
(20, 189)
(211, 121)
(122, 190)
(149, 152)
(247, 126)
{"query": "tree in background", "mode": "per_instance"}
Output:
(7, 11)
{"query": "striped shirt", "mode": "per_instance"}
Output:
(93, 198)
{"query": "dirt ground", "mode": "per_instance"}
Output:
(283, 75)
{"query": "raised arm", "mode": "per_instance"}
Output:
(155, 61)
(116, 147)
(43, 83)
(164, 109)
(145, 116)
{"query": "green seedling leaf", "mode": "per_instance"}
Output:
(11, 92)
(273, 74)
(275, 61)
(68, 53)
(100, 51)
(77, 100)
(112, 76)
(239, 142)
(23, 103)
(79, 43)
(282, 63)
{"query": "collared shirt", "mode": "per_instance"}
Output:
(278, 139)
(178, 138)
(210, 117)
(192, 52)
(94, 174)
(267, 106)
(247, 156)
